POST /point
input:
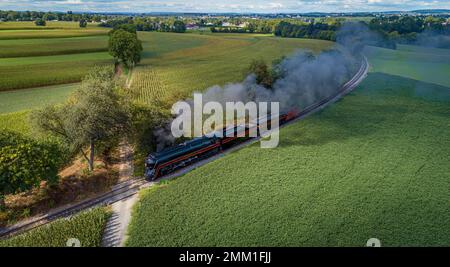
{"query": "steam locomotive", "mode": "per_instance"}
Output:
(179, 156)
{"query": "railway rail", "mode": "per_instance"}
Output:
(131, 187)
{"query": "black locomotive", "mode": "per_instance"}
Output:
(179, 156)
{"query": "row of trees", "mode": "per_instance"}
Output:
(409, 24)
(428, 31)
(148, 24)
(48, 16)
(311, 30)
(245, 26)
(229, 30)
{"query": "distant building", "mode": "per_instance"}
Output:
(243, 25)
(192, 26)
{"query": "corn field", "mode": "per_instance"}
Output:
(87, 227)
(146, 86)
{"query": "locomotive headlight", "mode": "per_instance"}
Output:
(149, 164)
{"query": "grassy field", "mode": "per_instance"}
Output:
(175, 65)
(87, 227)
(373, 165)
(16, 121)
(26, 99)
(430, 65)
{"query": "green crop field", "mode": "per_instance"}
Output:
(26, 72)
(59, 53)
(55, 33)
(173, 71)
(87, 227)
(26, 99)
(28, 30)
(426, 64)
(57, 46)
(67, 59)
(374, 165)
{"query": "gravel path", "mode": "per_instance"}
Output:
(116, 227)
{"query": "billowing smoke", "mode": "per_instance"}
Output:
(305, 78)
(433, 39)
(354, 36)
(163, 137)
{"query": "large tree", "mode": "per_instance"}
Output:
(263, 75)
(83, 23)
(40, 22)
(96, 113)
(179, 26)
(125, 47)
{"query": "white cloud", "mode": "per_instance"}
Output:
(71, 2)
(223, 6)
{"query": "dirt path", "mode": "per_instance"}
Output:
(116, 227)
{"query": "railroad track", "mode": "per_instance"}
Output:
(131, 187)
(118, 192)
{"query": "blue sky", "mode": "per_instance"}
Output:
(266, 6)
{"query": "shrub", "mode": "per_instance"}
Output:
(40, 22)
(25, 163)
(83, 23)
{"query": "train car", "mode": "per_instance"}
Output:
(231, 134)
(170, 159)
